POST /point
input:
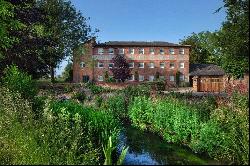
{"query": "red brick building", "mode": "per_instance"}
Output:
(144, 58)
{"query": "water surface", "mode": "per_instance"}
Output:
(149, 149)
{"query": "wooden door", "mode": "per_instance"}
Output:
(211, 84)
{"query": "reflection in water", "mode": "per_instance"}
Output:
(149, 149)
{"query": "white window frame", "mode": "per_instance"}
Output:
(182, 77)
(100, 78)
(170, 78)
(182, 65)
(133, 78)
(171, 51)
(152, 52)
(150, 78)
(162, 67)
(181, 51)
(131, 49)
(142, 50)
(112, 66)
(142, 66)
(120, 50)
(98, 64)
(141, 77)
(110, 50)
(170, 65)
(149, 65)
(100, 51)
(82, 64)
(132, 65)
(162, 53)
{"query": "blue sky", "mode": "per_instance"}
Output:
(149, 20)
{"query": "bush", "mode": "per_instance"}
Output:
(18, 81)
(67, 133)
(80, 96)
(175, 121)
(133, 91)
(94, 88)
(221, 131)
(116, 106)
(98, 101)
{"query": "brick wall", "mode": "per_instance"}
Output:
(146, 58)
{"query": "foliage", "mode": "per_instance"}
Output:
(121, 70)
(68, 73)
(94, 88)
(18, 81)
(108, 153)
(7, 21)
(116, 106)
(177, 77)
(203, 49)
(233, 37)
(47, 32)
(98, 101)
(80, 96)
(222, 132)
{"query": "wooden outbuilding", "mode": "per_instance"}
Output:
(206, 77)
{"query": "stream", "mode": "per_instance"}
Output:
(146, 148)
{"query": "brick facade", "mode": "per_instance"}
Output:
(91, 57)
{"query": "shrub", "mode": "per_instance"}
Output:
(133, 91)
(116, 106)
(80, 96)
(67, 133)
(94, 88)
(98, 101)
(221, 131)
(18, 81)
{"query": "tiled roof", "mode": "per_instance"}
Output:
(205, 70)
(138, 43)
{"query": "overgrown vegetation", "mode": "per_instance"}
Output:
(222, 132)
(64, 133)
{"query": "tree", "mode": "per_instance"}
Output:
(233, 37)
(121, 70)
(50, 31)
(7, 22)
(65, 28)
(203, 49)
(26, 50)
(68, 72)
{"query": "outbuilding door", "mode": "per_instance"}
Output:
(211, 84)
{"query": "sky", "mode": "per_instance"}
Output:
(149, 20)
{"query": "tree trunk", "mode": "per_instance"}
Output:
(52, 74)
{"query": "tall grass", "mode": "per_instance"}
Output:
(223, 133)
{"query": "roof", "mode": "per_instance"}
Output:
(139, 43)
(205, 70)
